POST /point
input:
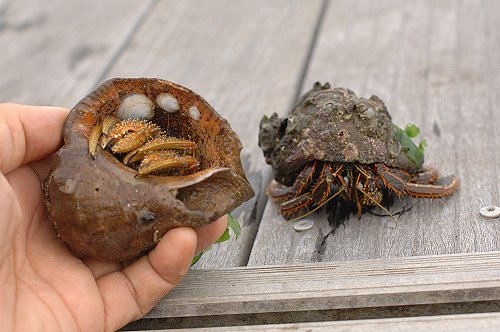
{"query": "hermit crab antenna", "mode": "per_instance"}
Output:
(379, 205)
(318, 207)
(362, 171)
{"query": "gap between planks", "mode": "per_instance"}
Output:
(447, 322)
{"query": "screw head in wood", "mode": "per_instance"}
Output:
(303, 225)
(490, 211)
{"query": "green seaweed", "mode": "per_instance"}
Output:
(232, 224)
(414, 152)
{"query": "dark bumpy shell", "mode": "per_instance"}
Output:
(330, 124)
(100, 208)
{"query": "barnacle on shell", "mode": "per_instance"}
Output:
(102, 207)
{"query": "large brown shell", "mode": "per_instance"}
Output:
(100, 208)
(331, 124)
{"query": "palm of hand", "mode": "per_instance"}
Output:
(44, 286)
(45, 283)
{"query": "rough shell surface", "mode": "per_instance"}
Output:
(100, 208)
(330, 124)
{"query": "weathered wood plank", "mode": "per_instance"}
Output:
(434, 64)
(468, 322)
(54, 52)
(335, 285)
(235, 54)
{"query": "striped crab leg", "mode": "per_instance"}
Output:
(283, 193)
(319, 195)
(394, 179)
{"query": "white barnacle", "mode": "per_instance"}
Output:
(194, 113)
(68, 187)
(136, 106)
(168, 102)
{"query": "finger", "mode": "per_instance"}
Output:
(208, 234)
(26, 186)
(9, 210)
(129, 294)
(28, 133)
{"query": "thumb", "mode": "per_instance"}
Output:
(28, 133)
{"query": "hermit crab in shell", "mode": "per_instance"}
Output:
(140, 157)
(337, 144)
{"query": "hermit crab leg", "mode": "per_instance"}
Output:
(357, 186)
(161, 160)
(107, 124)
(398, 185)
(158, 143)
(283, 193)
(318, 196)
(295, 205)
(95, 134)
(391, 180)
(122, 128)
(303, 202)
(426, 176)
(134, 140)
(433, 190)
(182, 181)
(329, 198)
(304, 179)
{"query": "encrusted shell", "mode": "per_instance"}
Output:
(330, 124)
(101, 208)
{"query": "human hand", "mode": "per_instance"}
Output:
(43, 285)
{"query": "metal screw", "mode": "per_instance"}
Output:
(490, 211)
(303, 225)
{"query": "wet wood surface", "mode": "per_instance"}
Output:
(433, 63)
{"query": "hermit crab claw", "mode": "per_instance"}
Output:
(140, 157)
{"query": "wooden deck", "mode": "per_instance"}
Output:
(434, 63)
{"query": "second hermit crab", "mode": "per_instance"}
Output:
(337, 144)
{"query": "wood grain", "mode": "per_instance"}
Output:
(435, 64)
(54, 51)
(335, 285)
